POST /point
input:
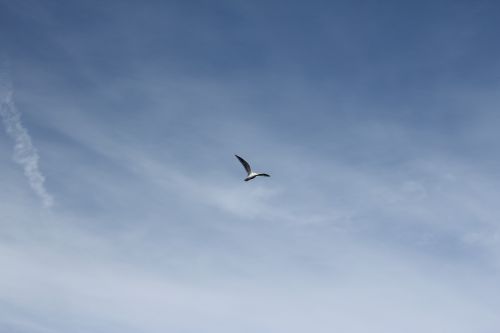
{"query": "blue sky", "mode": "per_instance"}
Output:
(123, 208)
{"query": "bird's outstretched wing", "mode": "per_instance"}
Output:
(263, 174)
(245, 164)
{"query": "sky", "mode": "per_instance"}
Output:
(123, 208)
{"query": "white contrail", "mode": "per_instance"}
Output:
(24, 152)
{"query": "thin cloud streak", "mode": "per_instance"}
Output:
(25, 153)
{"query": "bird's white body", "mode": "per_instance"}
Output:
(252, 175)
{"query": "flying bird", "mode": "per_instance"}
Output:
(250, 174)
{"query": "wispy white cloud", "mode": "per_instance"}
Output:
(25, 152)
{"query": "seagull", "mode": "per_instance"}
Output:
(250, 174)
